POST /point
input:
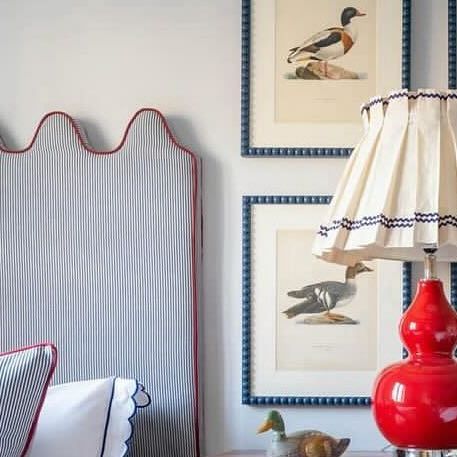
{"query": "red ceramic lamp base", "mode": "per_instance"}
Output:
(415, 401)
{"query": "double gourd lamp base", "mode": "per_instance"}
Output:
(415, 400)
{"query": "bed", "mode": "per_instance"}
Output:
(100, 255)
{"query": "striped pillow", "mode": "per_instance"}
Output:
(24, 378)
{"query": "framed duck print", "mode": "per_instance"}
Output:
(307, 67)
(313, 333)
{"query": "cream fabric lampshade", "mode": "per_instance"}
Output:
(398, 193)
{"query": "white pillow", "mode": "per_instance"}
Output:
(88, 418)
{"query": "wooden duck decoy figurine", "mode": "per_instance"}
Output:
(324, 296)
(306, 443)
(328, 44)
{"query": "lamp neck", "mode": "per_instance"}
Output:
(430, 264)
(429, 326)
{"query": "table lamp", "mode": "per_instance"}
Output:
(397, 199)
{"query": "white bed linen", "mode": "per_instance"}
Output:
(88, 418)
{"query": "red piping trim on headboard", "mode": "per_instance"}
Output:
(195, 197)
(195, 300)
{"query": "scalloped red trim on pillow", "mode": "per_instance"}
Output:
(25, 375)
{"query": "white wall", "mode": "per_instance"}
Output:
(101, 60)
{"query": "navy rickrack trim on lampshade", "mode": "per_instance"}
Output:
(410, 96)
(389, 222)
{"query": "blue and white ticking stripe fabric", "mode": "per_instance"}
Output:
(24, 378)
(99, 254)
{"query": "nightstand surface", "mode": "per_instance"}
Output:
(262, 454)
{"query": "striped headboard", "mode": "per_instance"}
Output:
(99, 254)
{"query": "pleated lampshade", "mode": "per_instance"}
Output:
(398, 193)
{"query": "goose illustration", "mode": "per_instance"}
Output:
(304, 443)
(323, 297)
(328, 44)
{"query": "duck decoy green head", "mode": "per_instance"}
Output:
(273, 422)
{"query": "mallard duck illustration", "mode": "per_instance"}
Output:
(324, 296)
(328, 44)
(306, 443)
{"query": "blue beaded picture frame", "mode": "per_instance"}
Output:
(247, 150)
(453, 285)
(452, 44)
(248, 398)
